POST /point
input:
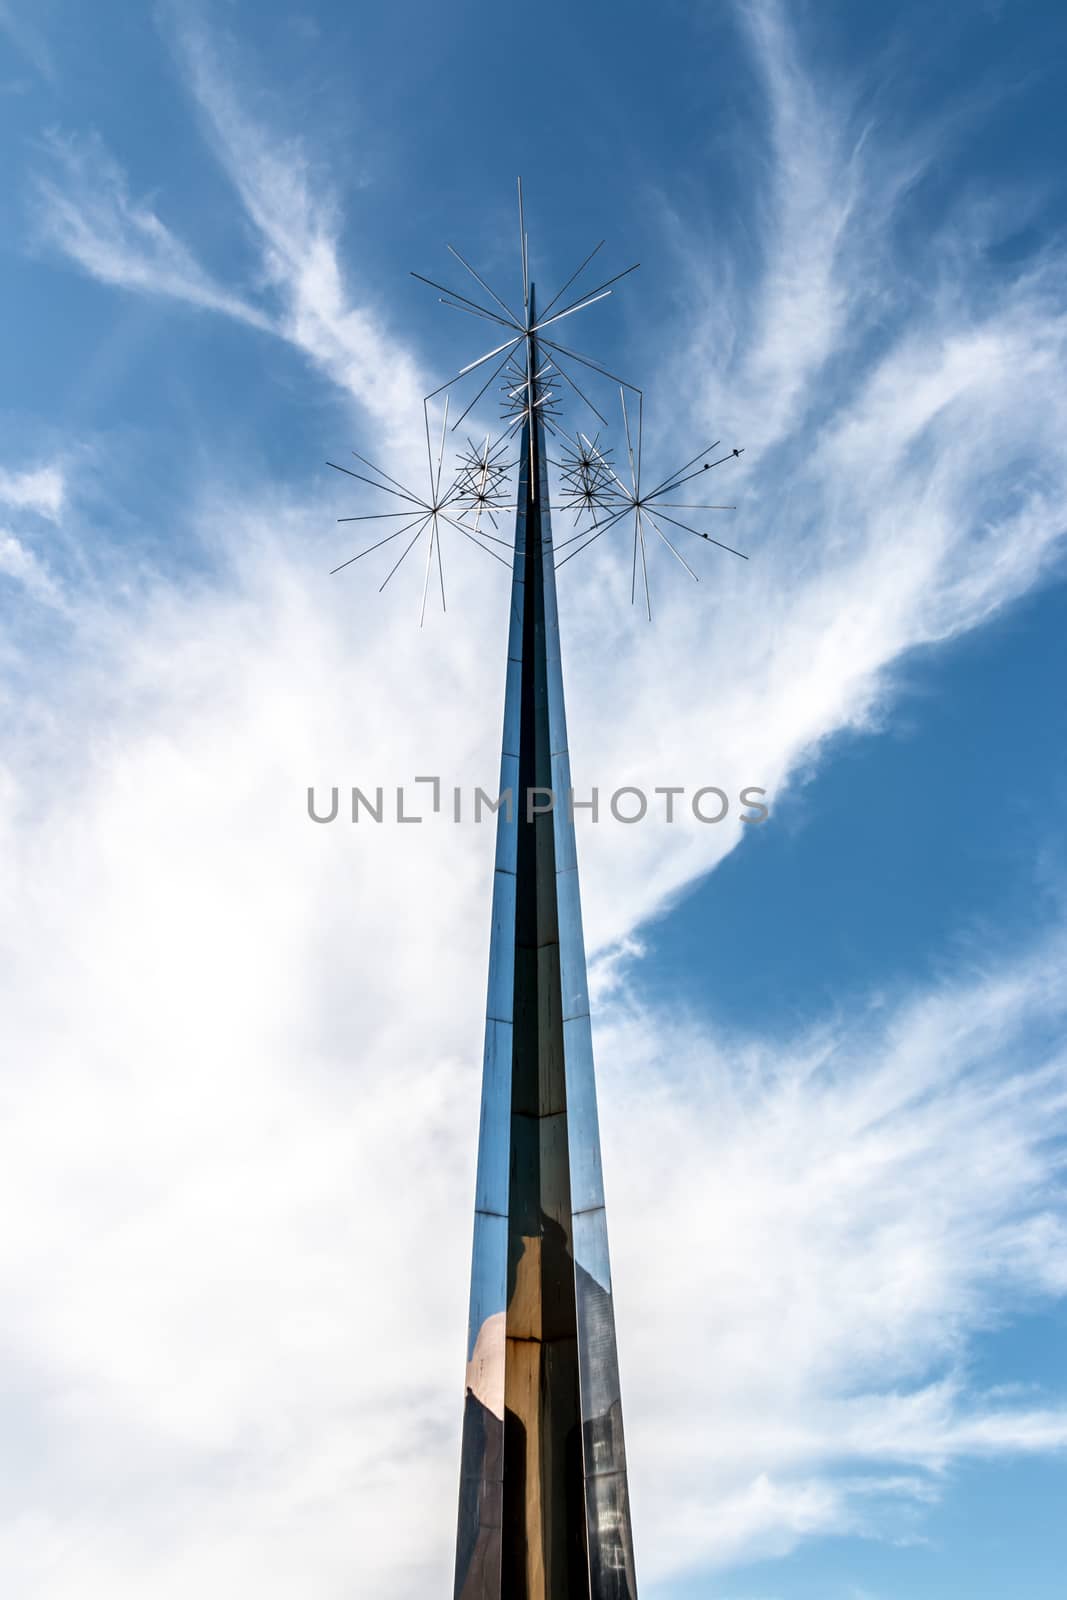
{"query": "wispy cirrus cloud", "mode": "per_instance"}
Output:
(908, 423)
(86, 210)
(295, 218)
(844, 1215)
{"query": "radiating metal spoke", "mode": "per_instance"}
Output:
(474, 311)
(472, 366)
(516, 322)
(705, 536)
(467, 534)
(595, 366)
(379, 486)
(441, 573)
(524, 251)
(394, 535)
(677, 556)
(410, 547)
(505, 322)
(575, 274)
(373, 516)
(481, 391)
(584, 397)
(588, 299)
(644, 567)
(426, 578)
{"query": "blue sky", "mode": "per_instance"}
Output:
(242, 1052)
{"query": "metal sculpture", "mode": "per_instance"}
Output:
(544, 1503)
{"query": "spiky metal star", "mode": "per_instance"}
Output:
(523, 331)
(536, 374)
(482, 481)
(440, 505)
(619, 499)
(586, 477)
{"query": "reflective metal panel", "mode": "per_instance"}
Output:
(512, 707)
(611, 1552)
(587, 1179)
(489, 1298)
(502, 948)
(566, 850)
(557, 716)
(507, 836)
(494, 1134)
(571, 945)
(544, 1513)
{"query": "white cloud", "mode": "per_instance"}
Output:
(38, 489)
(17, 562)
(818, 1230)
(89, 214)
(292, 211)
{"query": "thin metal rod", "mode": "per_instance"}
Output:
(411, 546)
(595, 365)
(523, 251)
(706, 536)
(575, 274)
(467, 534)
(426, 578)
(670, 546)
(394, 535)
(578, 306)
(373, 516)
(492, 376)
(568, 379)
(473, 304)
(644, 567)
(441, 452)
(429, 450)
(588, 298)
(472, 366)
(669, 481)
(403, 489)
(441, 573)
(474, 311)
(629, 446)
(400, 494)
(633, 574)
(603, 528)
(516, 322)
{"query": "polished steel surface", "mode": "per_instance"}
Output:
(544, 1509)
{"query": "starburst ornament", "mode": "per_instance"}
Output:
(536, 375)
(586, 477)
(441, 505)
(612, 501)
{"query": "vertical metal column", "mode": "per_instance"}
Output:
(544, 1509)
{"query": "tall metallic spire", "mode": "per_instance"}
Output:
(544, 1508)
